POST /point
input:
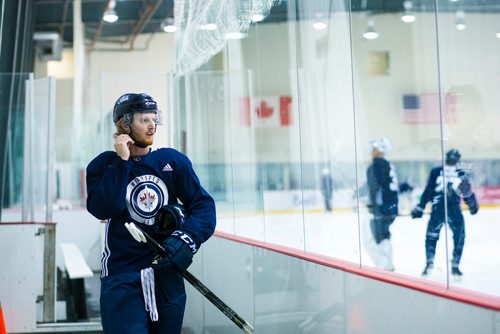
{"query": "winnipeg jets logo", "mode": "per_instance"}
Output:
(145, 196)
(147, 199)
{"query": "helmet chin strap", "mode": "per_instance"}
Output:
(141, 145)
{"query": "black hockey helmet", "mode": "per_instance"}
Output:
(132, 103)
(452, 157)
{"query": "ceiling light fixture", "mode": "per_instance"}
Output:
(460, 22)
(234, 35)
(168, 25)
(110, 13)
(319, 23)
(257, 17)
(370, 32)
(209, 26)
(408, 15)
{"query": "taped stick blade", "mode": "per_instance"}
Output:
(138, 232)
(133, 231)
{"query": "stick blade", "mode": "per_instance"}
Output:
(139, 233)
(133, 232)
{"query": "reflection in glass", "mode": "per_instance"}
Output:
(305, 92)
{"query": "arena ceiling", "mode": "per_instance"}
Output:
(146, 16)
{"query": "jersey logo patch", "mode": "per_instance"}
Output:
(146, 194)
(167, 168)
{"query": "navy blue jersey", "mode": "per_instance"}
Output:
(122, 191)
(434, 190)
(382, 187)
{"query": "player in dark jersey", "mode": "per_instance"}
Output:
(454, 183)
(132, 184)
(382, 203)
(327, 188)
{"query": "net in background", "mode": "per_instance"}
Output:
(202, 27)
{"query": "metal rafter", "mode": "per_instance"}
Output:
(63, 19)
(143, 20)
(98, 31)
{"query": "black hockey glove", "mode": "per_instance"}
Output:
(168, 219)
(417, 212)
(471, 202)
(179, 256)
(405, 187)
(465, 187)
(179, 245)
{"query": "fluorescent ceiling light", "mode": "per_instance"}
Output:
(168, 25)
(370, 32)
(209, 26)
(170, 29)
(110, 13)
(319, 25)
(110, 16)
(460, 22)
(234, 35)
(408, 16)
(257, 17)
(460, 25)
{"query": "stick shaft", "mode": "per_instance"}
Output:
(206, 292)
(217, 302)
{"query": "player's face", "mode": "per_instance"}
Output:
(376, 153)
(143, 128)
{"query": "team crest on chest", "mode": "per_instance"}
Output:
(146, 194)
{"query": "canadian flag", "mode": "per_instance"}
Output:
(266, 111)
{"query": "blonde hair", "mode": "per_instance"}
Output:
(121, 128)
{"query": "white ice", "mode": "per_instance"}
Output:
(337, 235)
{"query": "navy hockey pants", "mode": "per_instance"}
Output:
(123, 310)
(457, 226)
(380, 227)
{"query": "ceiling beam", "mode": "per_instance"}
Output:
(143, 21)
(96, 23)
(63, 19)
(98, 31)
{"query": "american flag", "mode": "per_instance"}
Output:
(424, 109)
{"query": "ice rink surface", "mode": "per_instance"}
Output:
(341, 233)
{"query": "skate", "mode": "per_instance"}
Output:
(456, 272)
(427, 270)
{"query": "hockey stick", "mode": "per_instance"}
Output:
(141, 236)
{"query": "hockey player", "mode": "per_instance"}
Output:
(382, 203)
(454, 183)
(327, 188)
(136, 184)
